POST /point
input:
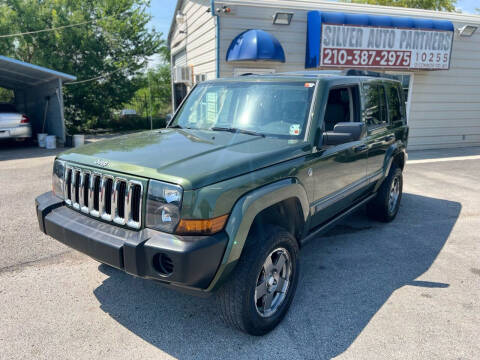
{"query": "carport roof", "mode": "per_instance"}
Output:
(16, 74)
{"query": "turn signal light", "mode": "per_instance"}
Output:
(201, 227)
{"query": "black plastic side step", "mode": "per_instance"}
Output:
(331, 223)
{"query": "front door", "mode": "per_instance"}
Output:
(340, 170)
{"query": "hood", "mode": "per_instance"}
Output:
(190, 158)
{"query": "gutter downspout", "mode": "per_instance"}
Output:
(217, 37)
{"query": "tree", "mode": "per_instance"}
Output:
(6, 96)
(157, 90)
(440, 5)
(111, 44)
(156, 86)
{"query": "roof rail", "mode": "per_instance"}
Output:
(355, 72)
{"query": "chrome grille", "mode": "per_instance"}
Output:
(104, 196)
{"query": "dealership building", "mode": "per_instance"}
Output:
(436, 55)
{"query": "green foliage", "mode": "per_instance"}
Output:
(156, 90)
(133, 122)
(115, 42)
(6, 95)
(440, 5)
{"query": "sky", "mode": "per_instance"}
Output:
(162, 12)
(467, 6)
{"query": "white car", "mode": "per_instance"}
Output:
(14, 125)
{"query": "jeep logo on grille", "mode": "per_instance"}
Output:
(102, 163)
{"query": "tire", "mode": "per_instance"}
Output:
(381, 207)
(240, 297)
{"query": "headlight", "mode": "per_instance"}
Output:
(163, 206)
(58, 178)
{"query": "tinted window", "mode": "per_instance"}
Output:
(4, 108)
(393, 98)
(338, 108)
(375, 104)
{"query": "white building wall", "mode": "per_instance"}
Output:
(197, 36)
(445, 105)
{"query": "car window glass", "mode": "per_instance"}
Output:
(393, 103)
(270, 108)
(338, 108)
(375, 105)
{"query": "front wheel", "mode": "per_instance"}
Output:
(384, 207)
(257, 296)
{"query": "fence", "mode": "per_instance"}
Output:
(142, 112)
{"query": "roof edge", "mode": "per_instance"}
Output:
(173, 23)
(63, 76)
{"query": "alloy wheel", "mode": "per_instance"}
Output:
(394, 194)
(273, 282)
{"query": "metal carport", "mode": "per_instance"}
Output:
(37, 89)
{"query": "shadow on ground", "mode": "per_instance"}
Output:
(347, 275)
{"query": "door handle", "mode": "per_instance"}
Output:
(360, 148)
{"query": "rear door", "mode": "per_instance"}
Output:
(379, 132)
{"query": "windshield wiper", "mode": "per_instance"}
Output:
(175, 127)
(236, 130)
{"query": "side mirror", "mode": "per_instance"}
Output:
(333, 138)
(344, 132)
(168, 118)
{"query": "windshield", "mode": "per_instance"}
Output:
(268, 108)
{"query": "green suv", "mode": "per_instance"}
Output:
(248, 170)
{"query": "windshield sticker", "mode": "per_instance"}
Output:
(309, 85)
(295, 129)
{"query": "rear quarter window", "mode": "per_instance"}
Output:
(394, 103)
(375, 105)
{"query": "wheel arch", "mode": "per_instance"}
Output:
(285, 196)
(396, 154)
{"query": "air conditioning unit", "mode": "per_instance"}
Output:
(200, 77)
(182, 74)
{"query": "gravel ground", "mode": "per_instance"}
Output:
(409, 289)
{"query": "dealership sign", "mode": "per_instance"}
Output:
(380, 47)
(342, 40)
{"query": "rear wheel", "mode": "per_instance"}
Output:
(261, 289)
(384, 207)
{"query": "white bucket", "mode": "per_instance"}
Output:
(78, 140)
(41, 138)
(51, 142)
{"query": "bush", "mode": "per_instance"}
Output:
(131, 122)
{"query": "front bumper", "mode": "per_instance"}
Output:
(195, 259)
(22, 131)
